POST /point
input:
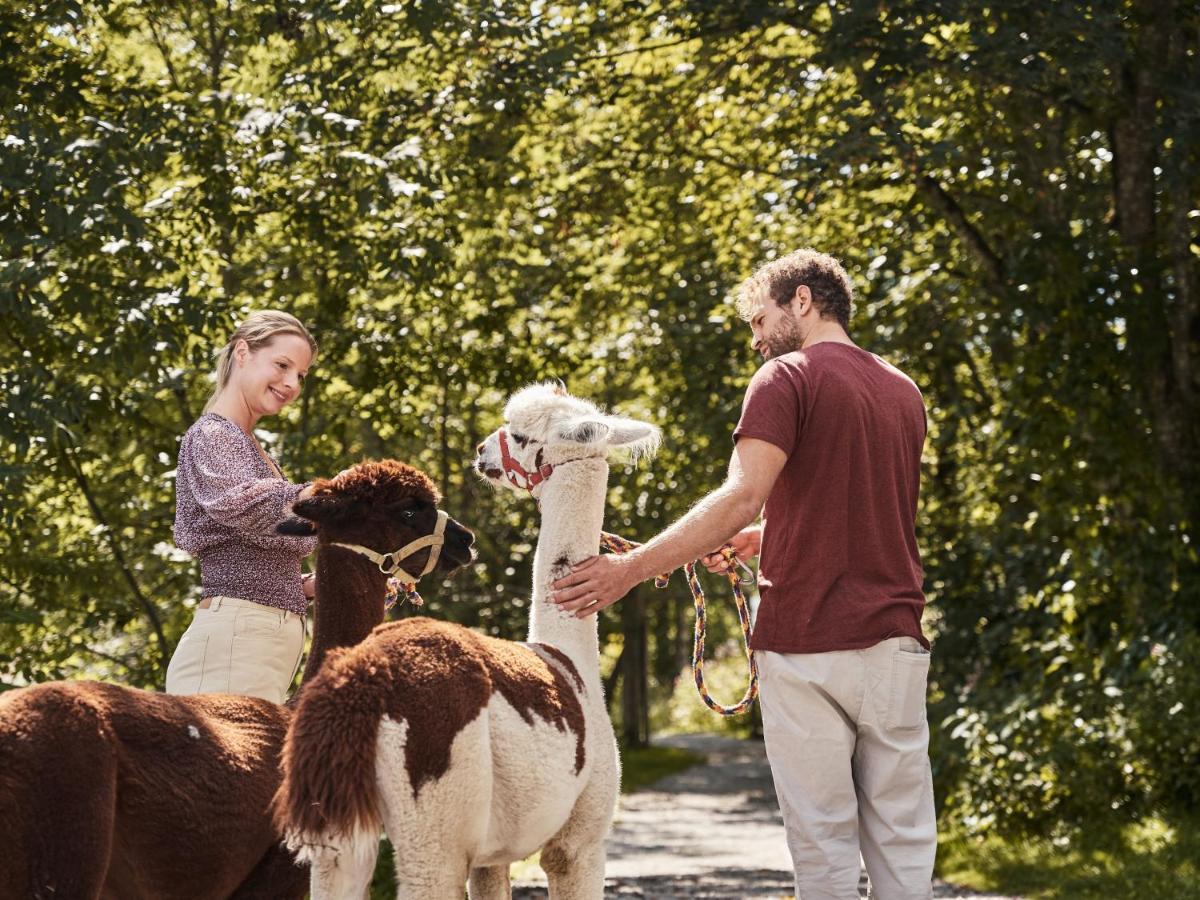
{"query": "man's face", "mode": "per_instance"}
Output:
(775, 329)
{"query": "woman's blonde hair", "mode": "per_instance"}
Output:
(258, 330)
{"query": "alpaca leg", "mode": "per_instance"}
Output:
(433, 883)
(277, 876)
(344, 872)
(433, 828)
(490, 884)
(574, 859)
(575, 876)
(56, 827)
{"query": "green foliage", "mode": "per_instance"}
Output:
(642, 766)
(1149, 858)
(460, 198)
(726, 678)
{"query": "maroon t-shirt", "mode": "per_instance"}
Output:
(839, 567)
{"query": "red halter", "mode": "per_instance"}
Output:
(516, 472)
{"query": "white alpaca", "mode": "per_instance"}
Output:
(478, 752)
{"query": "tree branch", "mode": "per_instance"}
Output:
(956, 216)
(937, 195)
(164, 646)
(163, 50)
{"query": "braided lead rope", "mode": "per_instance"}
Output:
(617, 544)
(397, 590)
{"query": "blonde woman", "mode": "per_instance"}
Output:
(248, 632)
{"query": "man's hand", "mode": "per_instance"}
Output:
(746, 545)
(594, 584)
(601, 581)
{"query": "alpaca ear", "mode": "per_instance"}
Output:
(327, 508)
(584, 431)
(640, 437)
(296, 527)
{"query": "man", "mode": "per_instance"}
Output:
(830, 441)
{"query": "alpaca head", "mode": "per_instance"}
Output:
(382, 505)
(545, 426)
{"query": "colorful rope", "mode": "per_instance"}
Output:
(617, 544)
(397, 590)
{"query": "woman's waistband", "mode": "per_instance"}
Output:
(215, 603)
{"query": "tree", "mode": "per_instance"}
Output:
(464, 198)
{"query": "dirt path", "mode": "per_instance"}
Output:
(710, 833)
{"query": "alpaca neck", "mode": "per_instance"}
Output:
(572, 504)
(349, 603)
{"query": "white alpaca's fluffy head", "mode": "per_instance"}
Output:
(546, 426)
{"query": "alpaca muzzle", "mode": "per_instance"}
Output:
(390, 563)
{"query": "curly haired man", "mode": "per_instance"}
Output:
(828, 452)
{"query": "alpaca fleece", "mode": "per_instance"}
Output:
(473, 752)
(107, 791)
(83, 747)
(435, 676)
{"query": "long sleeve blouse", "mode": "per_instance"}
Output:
(228, 501)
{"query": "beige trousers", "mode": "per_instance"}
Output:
(848, 741)
(238, 647)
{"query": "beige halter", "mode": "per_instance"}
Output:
(389, 563)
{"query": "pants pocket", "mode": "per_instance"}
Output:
(257, 623)
(910, 673)
(263, 664)
(185, 671)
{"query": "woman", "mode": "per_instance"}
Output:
(248, 632)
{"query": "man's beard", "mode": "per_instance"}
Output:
(786, 337)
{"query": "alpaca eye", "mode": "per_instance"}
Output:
(409, 513)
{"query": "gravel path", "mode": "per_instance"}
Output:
(710, 833)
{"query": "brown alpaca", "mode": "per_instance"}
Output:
(108, 791)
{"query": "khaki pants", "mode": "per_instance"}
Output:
(848, 742)
(238, 647)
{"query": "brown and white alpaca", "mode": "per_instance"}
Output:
(108, 791)
(473, 752)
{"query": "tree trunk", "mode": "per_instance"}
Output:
(635, 704)
(1136, 161)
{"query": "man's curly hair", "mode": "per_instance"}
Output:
(826, 279)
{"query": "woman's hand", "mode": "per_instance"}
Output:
(746, 545)
(308, 584)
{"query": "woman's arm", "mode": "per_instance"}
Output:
(222, 473)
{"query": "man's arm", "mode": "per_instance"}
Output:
(602, 580)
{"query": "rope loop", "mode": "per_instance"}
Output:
(616, 544)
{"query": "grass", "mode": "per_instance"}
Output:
(646, 765)
(1148, 859)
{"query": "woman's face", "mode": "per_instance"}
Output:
(270, 377)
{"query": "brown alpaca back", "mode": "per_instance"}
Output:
(437, 677)
(194, 776)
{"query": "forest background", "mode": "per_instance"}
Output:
(460, 198)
